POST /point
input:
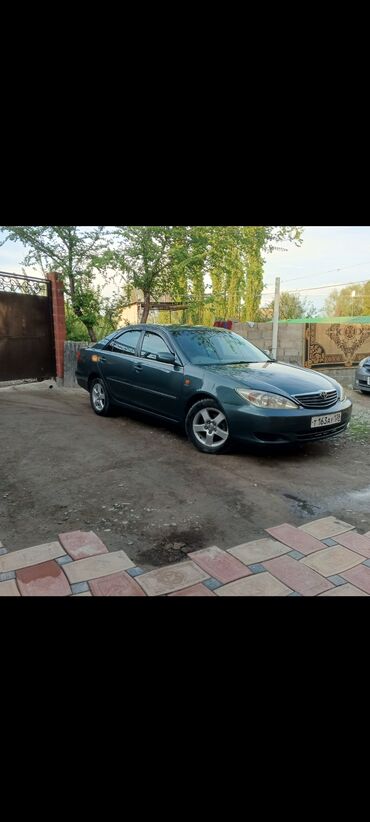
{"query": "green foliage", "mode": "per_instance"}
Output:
(344, 304)
(292, 307)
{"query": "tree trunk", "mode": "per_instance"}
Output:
(91, 332)
(146, 310)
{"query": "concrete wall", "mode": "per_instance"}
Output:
(70, 362)
(345, 376)
(291, 341)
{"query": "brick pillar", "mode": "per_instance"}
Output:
(59, 321)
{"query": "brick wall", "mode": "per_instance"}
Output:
(59, 323)
(291, 341)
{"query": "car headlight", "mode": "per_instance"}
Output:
(263, 399)
(343, 395)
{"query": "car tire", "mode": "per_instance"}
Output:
(207, 427)
(99, 398)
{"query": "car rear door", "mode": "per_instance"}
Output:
(158, 385)
(117, 364)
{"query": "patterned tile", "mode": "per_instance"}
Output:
(116, 585)
(325, 528)
(299, 578)
(332, 561)
(30, 556)
(44, 580)
(81, 545)
(295, 538)
(85, 594)
(296, 555)
(64, 560)
(212, 584)
(219, 565)
(345, 591)
(329, 542)
(135, 572)
(199, 590)
(7, 576)
(253, 553)
(171, 579)
(360, 577)
(100, 566)
(3, 551)
(9, 589)
(337, 580)
(258, 585)
(80, 588)
(257, 569)
(356, 542)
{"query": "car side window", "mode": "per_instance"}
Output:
(126, 343)
(153, 345)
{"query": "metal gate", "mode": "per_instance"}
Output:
(26, 328)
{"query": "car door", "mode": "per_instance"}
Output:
(158, 385)
(117, 365)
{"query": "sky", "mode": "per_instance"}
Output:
(329, 255)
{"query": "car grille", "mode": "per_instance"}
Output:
(364, 382)
(322, 434)
(324, 399)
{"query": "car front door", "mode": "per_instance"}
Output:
(117, 364)
(158, 385)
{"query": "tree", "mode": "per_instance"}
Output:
(76, 254)
(183, 261)
(349, 302)
(292, 307)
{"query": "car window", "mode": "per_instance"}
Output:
(153, 345)
(216, 347)
(126, 343)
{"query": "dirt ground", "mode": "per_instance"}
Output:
(142, 487)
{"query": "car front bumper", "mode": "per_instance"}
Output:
(361, 379)
(272, 426)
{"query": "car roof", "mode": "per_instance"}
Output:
(168, 328)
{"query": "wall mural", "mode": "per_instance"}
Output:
(336, 345)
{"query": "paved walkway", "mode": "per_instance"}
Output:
(326, 557)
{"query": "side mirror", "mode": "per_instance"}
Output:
(166, 357)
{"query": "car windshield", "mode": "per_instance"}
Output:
(214, 346)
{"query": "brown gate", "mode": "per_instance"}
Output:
(26, 329)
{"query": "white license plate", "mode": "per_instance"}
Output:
(368, 380)
(328, 419)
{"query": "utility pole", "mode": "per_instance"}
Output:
(275, 326)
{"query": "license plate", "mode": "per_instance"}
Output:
(368, 380)
(328, 419)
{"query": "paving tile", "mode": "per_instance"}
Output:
(356, 542)
(296, 555)
(296, 594)
(219, 564)
(326, 527)
(299, 578)
(64, 560)
(7, 576)
(253, 553)
(116, 585)
(329, 542)
(367, 562)
(81, 544)
(212, 584)
(296, 539)
(100, 566)
(199, 590)
(80, 588)
(359, 576)
(44, 580)
(332, 561)
(9, 589)
(135, 572)
(337, 580)
(257, 569)
(3, 551)
(258, 585)
(30, 556)
(345, 591)
(172, 578)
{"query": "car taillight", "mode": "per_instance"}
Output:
(79, 356)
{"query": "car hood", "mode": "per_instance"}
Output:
(275, 377)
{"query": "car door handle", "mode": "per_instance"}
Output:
(138, 368)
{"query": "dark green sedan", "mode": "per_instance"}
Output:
(216, 383)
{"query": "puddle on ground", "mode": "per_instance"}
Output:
(354, 502)
(303, 505)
